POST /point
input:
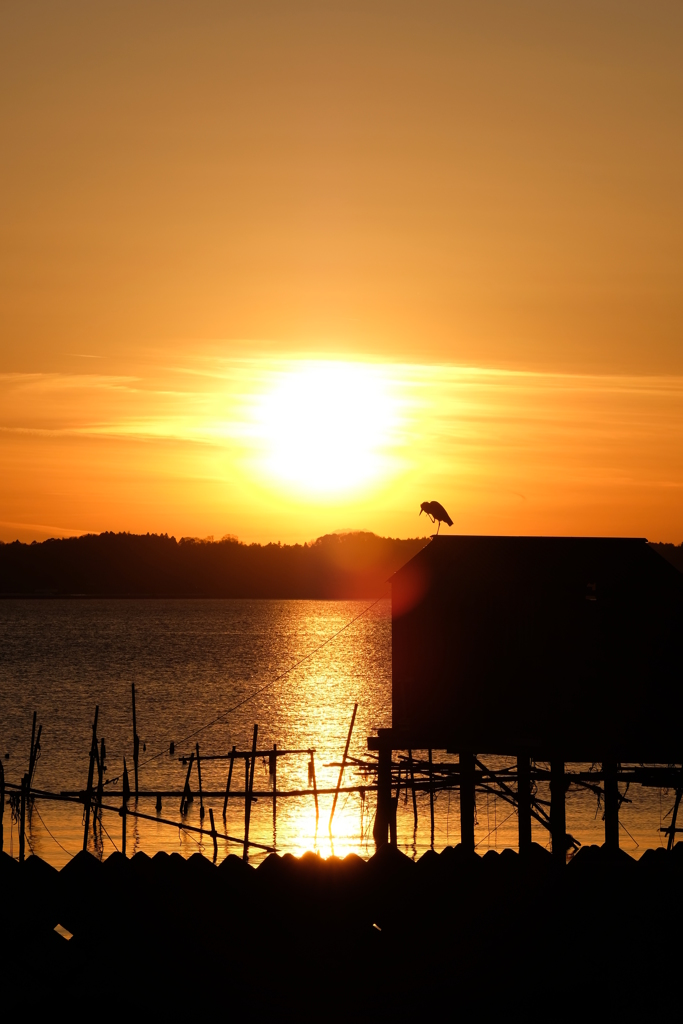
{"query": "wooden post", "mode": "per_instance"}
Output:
(227, 788)
(274, 774)
(412, 785)
(431, 795)
(343, 764)
(315, 788)
(199, 777)
(22, 820)
(186, 798)
(611, 786)
(250, 790)
(100, 783)
(91, 769)
(124, 807)
(213, 836)
(467, 801)
(33, 738)
(2, 802)
(383, 813)
(524, 801)
(558, 826)
(136, 743)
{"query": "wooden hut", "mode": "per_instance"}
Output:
(547, 648)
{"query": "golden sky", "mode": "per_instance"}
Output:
(281, 268)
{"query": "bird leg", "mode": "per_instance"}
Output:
(438, 528)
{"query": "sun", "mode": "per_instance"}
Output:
(327, 426)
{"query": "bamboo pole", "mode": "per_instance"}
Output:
(274, 774)
(343, 765)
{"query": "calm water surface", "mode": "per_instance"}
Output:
(192, 661)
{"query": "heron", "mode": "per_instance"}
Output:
(436, 512)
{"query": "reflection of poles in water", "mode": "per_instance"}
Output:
(343, 764)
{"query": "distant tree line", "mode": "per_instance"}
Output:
(352, 565)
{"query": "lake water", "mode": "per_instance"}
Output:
(192, 661)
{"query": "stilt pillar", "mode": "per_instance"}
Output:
(558, 825)
(611, 785)
(467, 801)
(524, 801)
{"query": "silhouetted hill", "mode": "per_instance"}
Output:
(353, 565)
(672, 552)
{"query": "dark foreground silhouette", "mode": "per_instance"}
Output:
(351, 565)
(310, 939)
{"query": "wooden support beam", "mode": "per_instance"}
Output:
(524, 801)
(227, 788)
(273, 772)
(91, 769)
(100, 782)
(672, 830)
(467, 801)
(136, 743)
(343, 765)
(248, 794)
(558, 825)
(611, 786)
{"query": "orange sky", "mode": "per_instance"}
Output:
(440, 242)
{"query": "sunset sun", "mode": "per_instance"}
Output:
(327, 427)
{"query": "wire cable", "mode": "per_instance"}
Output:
(261, 689)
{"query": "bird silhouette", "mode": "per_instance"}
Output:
(436, 512)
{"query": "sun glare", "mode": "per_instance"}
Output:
(327, 426)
